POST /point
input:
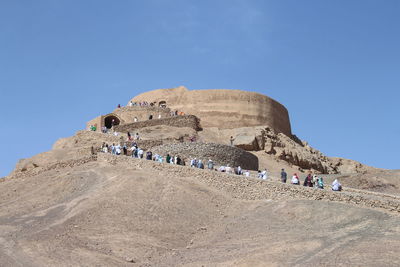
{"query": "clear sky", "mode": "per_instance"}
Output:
(334, 64)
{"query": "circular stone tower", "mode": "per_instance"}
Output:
(223, 108)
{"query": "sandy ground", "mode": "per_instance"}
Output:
(114, 214)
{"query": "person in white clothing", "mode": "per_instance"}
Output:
(295, 179)
(140, 153)
(118, 150)
(264, 174)
(315, 180)
(336, 186)
(246, 173)
(228, 169)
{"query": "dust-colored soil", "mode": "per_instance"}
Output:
(119, 211)
(386, 181)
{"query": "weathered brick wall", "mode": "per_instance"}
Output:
(142, 113)
(220, 154)
(176, 121)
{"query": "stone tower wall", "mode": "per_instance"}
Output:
(220, 154)
(225, 109)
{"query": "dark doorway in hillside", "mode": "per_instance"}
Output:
(108, 121)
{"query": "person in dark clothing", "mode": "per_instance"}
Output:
(231, 140)
(200, 164)
(283, 176)
(178, 161)
(308, 181)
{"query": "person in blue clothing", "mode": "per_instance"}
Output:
(283, 176)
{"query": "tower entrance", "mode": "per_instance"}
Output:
(111, 120)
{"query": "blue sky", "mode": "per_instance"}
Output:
(334, 64)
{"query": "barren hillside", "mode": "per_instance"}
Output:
(93, 201)
(118, 211)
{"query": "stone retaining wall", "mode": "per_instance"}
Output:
(59, 165)
(251, 188)
(142, 113)
(175, 121)
(238, 186)
(220, 154)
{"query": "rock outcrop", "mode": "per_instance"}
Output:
(290, 149)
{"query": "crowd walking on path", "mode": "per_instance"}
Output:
(131, 148)
(135, 151)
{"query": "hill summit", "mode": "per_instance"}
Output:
(196, 178)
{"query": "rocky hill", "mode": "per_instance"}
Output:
(119, 211)
(78, 206)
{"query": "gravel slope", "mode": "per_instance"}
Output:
(118, 211)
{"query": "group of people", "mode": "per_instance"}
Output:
(263, 174)
(135, 137)
(310, 181)
(136, 152)
(141, 104)
(198, 163)
(115, 149)
(177, 113)
(145, 104)
(118, 149)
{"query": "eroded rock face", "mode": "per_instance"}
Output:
(282, 147)
(304, 156)
(225, 109)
